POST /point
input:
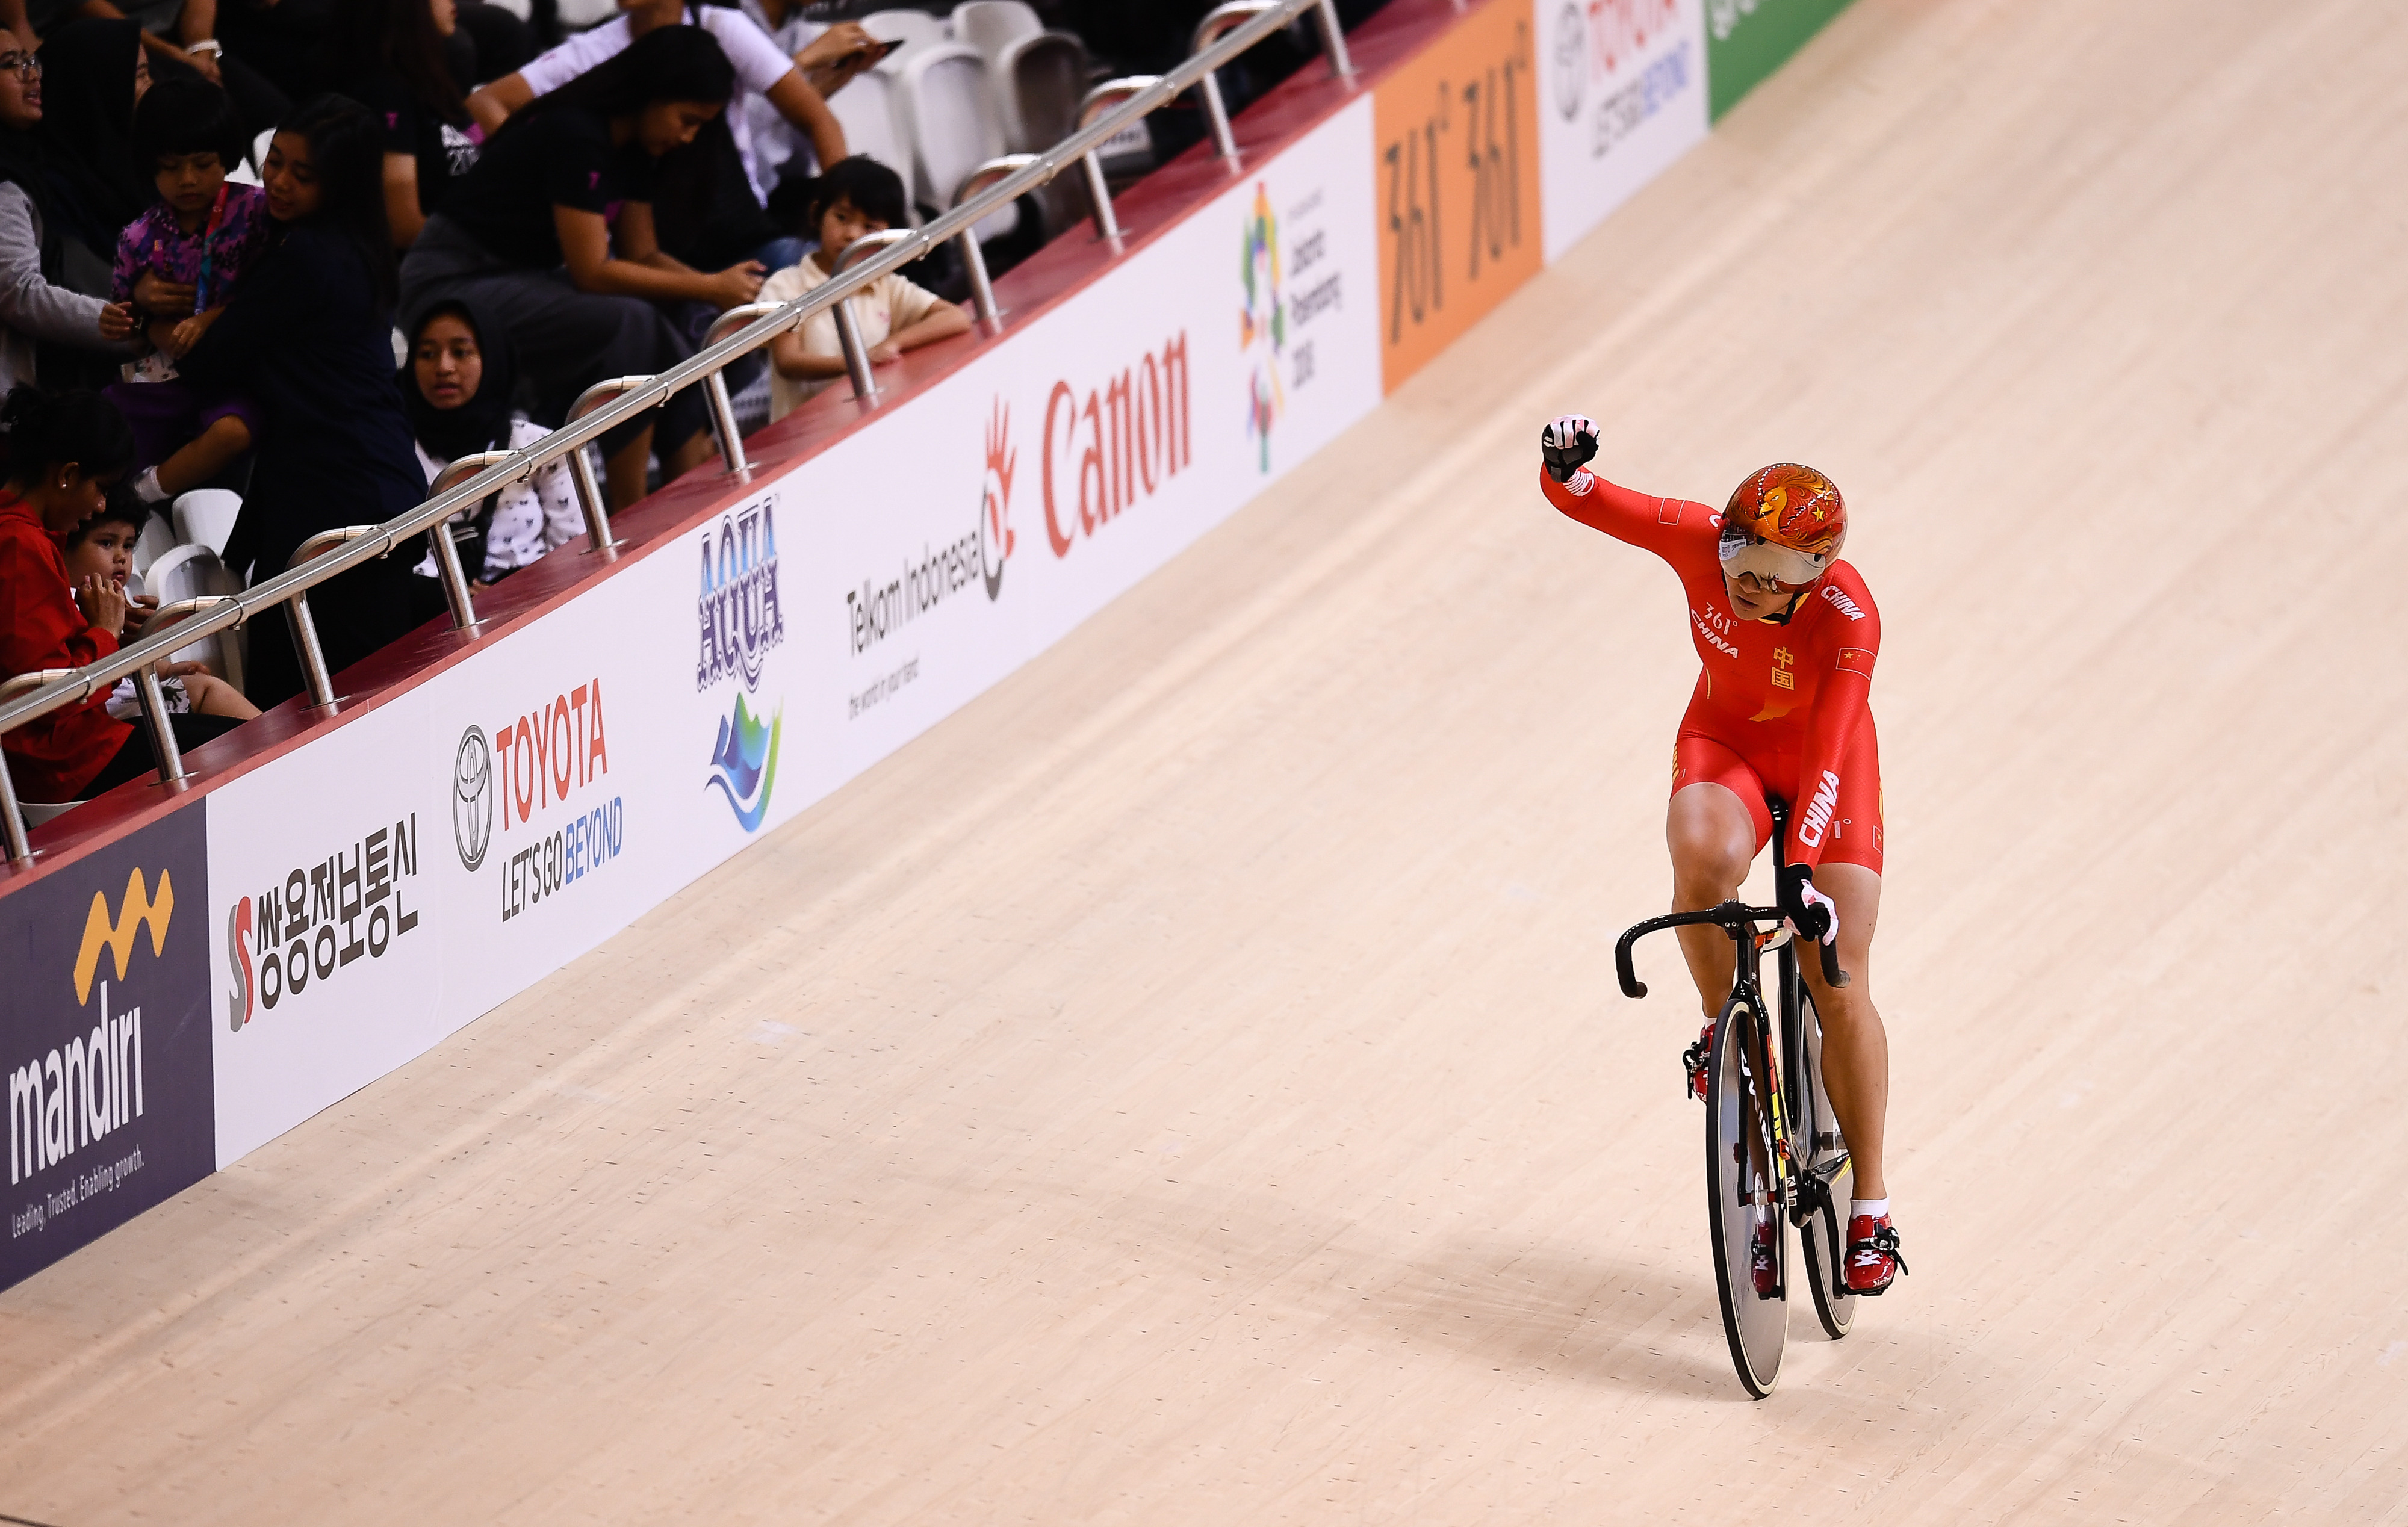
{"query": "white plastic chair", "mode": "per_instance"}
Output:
(949, 106)
(872, 126)
(206, 517)
(1040, 80)
(38, 812)
(192, 571)
(988, 25)
(914, 29)
(153, 542)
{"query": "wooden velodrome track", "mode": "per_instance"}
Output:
(1189, 1086)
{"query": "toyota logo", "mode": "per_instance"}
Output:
(472, 797)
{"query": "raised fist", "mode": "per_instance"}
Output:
(1567, 446)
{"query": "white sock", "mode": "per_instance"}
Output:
(147, 489)
(1875, 1208)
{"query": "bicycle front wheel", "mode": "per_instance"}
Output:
(1743, 1201)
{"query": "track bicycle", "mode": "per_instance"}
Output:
(1773, 1147)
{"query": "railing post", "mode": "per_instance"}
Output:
(856, 350)
(847, 327)
(1108, 223)
(458, 589)
(454, 576)
(982, 289)
(714, 387)
(12, 818)
(1218, 23)
(1094, 103)
(973, 255)
(313, 657)
(1333, 40)
(169, 757)
(580, 470)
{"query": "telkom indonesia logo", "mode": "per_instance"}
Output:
(1261, 327)
(996, 539)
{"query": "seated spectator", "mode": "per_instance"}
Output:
(65, 451)
(103, 547)
(178, 264)
(178, 36)
(714, 214)
(856, 197)
(308, 337)
(456, 386)
(536, 203)
(93, 72)
(39, 315)
(829, 59)
(393, 63)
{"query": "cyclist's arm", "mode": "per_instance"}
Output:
(1840, 707)
(1656, 524)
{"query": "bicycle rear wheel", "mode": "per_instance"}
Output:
(1826, 1226)
(1743, 1202)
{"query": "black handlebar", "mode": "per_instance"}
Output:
(1736, 919)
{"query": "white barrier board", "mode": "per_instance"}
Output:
(1622, 94)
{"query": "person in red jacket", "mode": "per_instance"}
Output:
(64, 452)
(1787, 635)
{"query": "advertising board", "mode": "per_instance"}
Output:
(931, 554)
(1455, 181)
(1622, 94)
(1747, 39)
(104, 1037)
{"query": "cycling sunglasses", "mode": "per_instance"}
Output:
(1768, 566)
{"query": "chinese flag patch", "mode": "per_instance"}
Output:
(1856, 660)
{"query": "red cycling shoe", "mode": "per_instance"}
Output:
(1694, 1058)
(1873, 1260)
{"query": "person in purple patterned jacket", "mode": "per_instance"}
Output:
(178, 263)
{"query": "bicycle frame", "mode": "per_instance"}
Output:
(1803, 1190)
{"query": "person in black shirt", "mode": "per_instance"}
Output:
(308, 335)
(394, 63)
(529, 235)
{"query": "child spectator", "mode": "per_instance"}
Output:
(65, 451)
(856, 197)
(103, 547)
(178, 263)
(456, 387)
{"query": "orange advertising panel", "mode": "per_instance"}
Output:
(1456, 146)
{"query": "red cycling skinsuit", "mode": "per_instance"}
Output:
(1779, 707)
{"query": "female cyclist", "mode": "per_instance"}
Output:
(1787, 635)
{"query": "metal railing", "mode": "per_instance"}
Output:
(1110, 109)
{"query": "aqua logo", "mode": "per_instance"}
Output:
(744, 763)
(736, 609)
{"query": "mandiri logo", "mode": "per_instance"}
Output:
(744, 763)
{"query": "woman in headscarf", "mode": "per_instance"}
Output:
(456, 387)
(39, 317)
(93, 72)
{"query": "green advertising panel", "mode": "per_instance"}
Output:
(1747, 39)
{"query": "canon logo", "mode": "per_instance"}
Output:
(1136, 438)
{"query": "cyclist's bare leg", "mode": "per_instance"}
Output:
(1856, 1047)
(1713, 840)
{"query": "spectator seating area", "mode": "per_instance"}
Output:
(957, 90)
